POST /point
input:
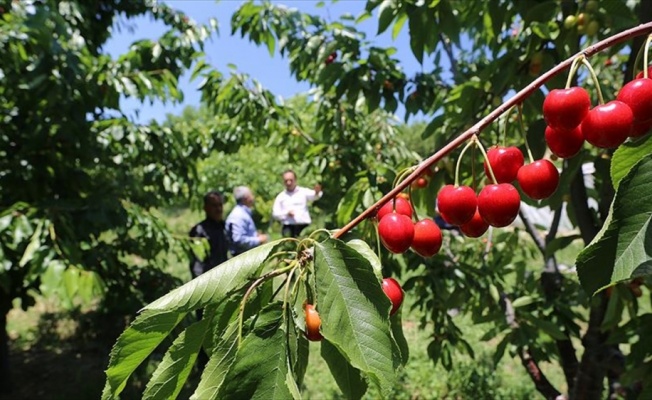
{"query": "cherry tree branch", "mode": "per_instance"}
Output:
(542, 383)
(532, 368)
(491, 117)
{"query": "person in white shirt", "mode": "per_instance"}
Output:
(291, 205)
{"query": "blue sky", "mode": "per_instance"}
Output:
(272, 72)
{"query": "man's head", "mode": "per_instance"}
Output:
(214, 205)
(290, 180)
(244, 196)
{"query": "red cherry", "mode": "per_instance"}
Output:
(505, 162)
(539, 179)
(566, 108)
(476, 227)
(649, 73)
(640, 128)
(427, 238)
(396, 232)
(637, 94)
(564, 143)
(608, 125)
(456, 204)
(499, 204)
(331, 57)
(421, 183)
(393, 290)
(401, 205)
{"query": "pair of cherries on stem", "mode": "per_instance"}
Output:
(398, 233)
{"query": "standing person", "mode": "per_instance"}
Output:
(211, 229)
(240, 226)
(291, 205)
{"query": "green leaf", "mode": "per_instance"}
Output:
(261, 364)
(546, 326)
(354, 311)
(134, 345)
(417, 37)
(218, 365)
(560, 242)
(523, 301)
(398, 25)
(299, 352)
(622, 249)
(500, 349)
(347, 377)
(172, 373)
(399, 337)
(627, 155)
(216, 284)
(386, 13)
(34, 244)
(363, 248)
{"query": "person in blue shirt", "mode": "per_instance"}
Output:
(240, 227)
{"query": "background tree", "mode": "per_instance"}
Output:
(78, 176)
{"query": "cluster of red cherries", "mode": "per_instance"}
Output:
(498, 203)
(571, 120)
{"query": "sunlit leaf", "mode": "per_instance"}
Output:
(172, 372)
(354, 311)
(623, 248)
(217, 283)
(627, 155)
(134, 345)
(261, 365)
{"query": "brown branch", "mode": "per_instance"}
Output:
(592, 371)
(491, 117)
(542, 383)
(551, 282)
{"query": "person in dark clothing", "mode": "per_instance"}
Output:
(211, 229)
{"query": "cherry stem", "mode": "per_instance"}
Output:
(286, 294)
(573, 69)
(400, 178)
(596, 81)
(645, 55)
(473, 167)
(486, 159)
(254, 285)
(459, 159)
(507, 114)
(523, 133)
(519, 97)
(377, 238)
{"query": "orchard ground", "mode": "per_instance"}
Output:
(61, 354)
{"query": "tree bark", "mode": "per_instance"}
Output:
(542, 383)
(551, 283)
